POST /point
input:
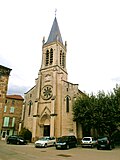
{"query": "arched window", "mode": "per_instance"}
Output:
(51, 56)
(29, 109)
(61, 57)
(47, 58)
(67, 104)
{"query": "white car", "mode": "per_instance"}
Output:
(45, 141)
(88, 142)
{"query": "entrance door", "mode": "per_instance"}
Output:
(4, 134)
(46, 130)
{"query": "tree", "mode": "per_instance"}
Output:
(105, 114)
(83, 113)
(101, 111)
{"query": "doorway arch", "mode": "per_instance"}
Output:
(45, 120)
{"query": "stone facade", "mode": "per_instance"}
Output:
(10, 107)
(48, 105)
(4, 77)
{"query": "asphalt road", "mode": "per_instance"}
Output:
(29, 152)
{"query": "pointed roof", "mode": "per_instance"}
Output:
(54, 33)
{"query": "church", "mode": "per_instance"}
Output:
(47, 109)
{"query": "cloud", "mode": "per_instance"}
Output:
(19, 90)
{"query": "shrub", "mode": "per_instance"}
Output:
(26, 134)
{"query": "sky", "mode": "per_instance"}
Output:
(90, 27)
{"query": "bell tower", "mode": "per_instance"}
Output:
(54, 51)
(52, 72)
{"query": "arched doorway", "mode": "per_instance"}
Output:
(46, 125)
(46, 131)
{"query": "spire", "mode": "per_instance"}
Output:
(54, 33)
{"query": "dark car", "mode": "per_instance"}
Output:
(105, 142)
(66, 142)
(16, 140)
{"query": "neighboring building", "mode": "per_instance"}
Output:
(12, 112)
(48, 105)
(10, 106)
(4, 77)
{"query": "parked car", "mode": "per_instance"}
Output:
(45, 142)
(105, 142)
(88, 142)
(66, 142)
(16, 140)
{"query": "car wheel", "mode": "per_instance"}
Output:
(110, 147)
(67, 146)
(98, 148)
(18, 142)
(91, 145)
(45, 145)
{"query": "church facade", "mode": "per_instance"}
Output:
(47, 109)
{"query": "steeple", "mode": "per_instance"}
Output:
(54, 33)
(54, 51)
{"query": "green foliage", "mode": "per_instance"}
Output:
(101, 111)
(116, 137)
(26, 134)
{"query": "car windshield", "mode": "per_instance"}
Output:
(44, 138)
(62, 139)
(12, 137)
(86, 139)
(102, 138)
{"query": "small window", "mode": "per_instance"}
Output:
(67, 104)
(12, 109)
(29, 109)
(51, 56)
(5, 108)
(47, 58)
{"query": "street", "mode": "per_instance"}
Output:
(29, 152)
